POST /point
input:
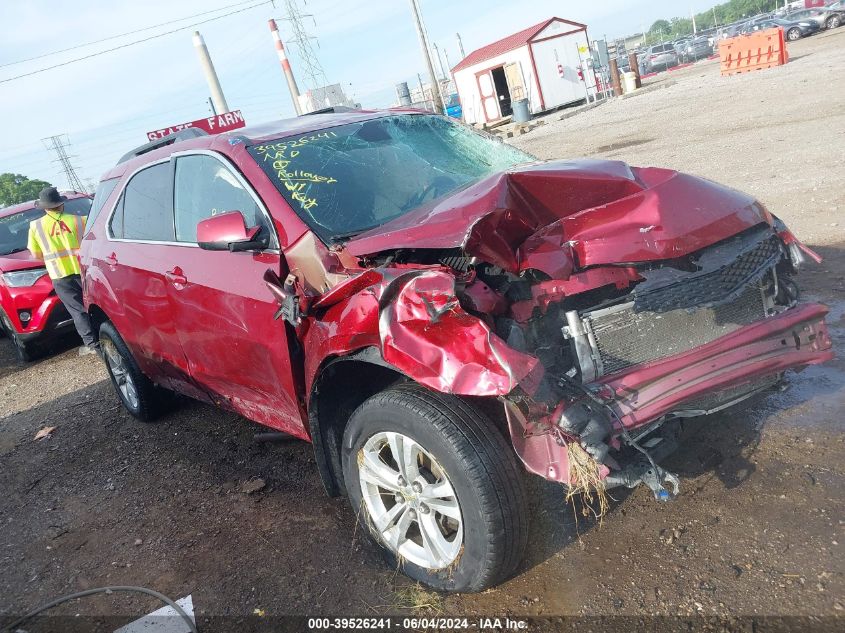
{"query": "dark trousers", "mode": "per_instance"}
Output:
(69, 290)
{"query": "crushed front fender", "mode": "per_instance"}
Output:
(427, 335)
(415, 319)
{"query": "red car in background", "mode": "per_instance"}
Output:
(30, 312)
(431, 307)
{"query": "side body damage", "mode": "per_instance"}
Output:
(594, 302)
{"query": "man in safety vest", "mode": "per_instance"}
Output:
(55, 239)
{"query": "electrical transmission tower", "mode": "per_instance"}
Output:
(309, 64)
(59, 145)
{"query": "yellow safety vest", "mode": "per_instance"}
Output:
(56, 237)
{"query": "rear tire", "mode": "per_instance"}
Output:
(459, 522)
(138, 394)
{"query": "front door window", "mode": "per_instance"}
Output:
(206, 187)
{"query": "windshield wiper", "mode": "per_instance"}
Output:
(342, 237)
(13, 251)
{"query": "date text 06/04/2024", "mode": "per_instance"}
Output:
(416, 623)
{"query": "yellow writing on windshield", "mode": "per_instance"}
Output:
(296, 182)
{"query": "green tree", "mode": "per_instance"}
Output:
(680, 27)
(660, 27)
(15, 188)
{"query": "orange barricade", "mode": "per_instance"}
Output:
(763, 49)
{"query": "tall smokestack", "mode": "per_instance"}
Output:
(217, 97)
(283, 59)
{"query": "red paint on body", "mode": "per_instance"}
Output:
(427, 335)
(38, 299)
(607, 212)
(202, 321)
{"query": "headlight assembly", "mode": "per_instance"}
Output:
(23, 278)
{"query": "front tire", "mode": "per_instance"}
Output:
(24, 351)
(833, 22)
(793, 34)
(438, 486)
(139, 396)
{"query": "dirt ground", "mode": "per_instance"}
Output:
(757, 529)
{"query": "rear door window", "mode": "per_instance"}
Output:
(116, 224)
(148, 205)
(104, 190)
(206, 187)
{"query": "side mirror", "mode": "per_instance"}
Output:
(228, 232)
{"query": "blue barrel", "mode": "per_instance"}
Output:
(521, 113)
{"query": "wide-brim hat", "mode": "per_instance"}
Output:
(50, 198)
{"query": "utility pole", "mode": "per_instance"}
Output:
(439, 60)
(211, 105)
(460, 45)
(448, 63)
(210, 74)
(715, 19)
(694, 29)
(435, 85)
(286, 69)
(58, 145)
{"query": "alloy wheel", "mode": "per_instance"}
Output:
(120, 372)
(410, 501)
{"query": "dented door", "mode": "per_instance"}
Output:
(223, 309)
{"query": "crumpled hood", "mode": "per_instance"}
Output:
(18, 261)
(593, 211)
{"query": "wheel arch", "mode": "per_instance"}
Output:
(342, 384)
(98, 317)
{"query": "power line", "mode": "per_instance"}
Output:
(146, 39)
(310, 63)
(58, 145)
(114, 37)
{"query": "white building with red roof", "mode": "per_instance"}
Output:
(547, 63)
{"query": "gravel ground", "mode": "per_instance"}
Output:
(194, 505)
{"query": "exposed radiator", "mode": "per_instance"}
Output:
(619, 337)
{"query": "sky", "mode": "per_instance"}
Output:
(106, 103)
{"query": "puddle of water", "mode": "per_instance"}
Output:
(815, 397)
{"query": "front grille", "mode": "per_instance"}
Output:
(719, 284)
(624, 337)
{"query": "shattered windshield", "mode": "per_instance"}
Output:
(345, 180)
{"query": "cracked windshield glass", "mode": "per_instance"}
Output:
(348, 179)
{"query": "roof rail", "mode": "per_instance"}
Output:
(332, 109)
(181, 135)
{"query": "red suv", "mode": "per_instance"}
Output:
(431, 308)
(30, 312)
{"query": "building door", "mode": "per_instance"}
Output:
(513, 74)
(489, 100)
(503, 93)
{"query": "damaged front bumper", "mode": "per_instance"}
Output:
(694, 382)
